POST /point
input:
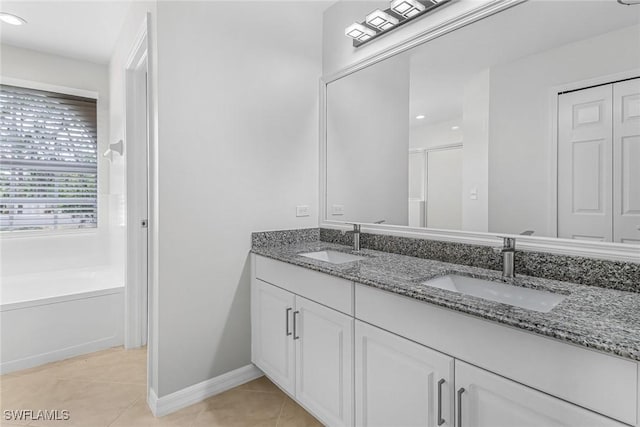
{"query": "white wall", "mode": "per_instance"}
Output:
(33, 252)
(429, 135)
(237, 151)
(475, 169)
(368, 144)
(520, 127)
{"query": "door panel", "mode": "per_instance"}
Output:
(397, 381)
(272, 342)
(626, 162)
(324, 362)
(489, 400)
(444, 189)
(584, 164)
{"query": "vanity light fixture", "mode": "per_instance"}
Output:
(407, 8)
(380, 21)
(420, 116)
(10, 18)
(358, 32)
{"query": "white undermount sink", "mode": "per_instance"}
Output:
(333, 257)
(531, 299)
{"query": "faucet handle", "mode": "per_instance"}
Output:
(508, 243)
(356, 228)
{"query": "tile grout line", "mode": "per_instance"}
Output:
(284, 401)
(125, 410)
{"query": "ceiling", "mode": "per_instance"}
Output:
(440, 68)
(85, 30)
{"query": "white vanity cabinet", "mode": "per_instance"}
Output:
(306, 348)
(484, 399)
(399, 382)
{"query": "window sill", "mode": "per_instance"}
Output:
(9, 235)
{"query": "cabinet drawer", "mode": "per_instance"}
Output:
(489, 400)
(319, 287)
(603, 383)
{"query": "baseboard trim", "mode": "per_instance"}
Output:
(165, 405)
(61, 354)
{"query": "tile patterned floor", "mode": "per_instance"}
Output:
(107, 389)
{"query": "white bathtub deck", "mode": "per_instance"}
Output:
(28, 290)
(52, 316)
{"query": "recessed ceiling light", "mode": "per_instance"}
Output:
(11, 19)
(455, 127)
(420, 116)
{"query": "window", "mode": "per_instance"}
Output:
(48, 160)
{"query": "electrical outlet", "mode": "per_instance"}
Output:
(473, 194)
(302, 210)
(337, 210)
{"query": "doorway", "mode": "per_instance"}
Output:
(435, 187)
(137, 199)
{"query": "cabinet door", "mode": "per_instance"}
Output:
(272, 333)
(486, 399)
(324, 362)
(400, 383)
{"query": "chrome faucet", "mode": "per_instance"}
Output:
(356, 236)
(508, 251)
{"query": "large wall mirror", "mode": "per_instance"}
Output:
(527, 121)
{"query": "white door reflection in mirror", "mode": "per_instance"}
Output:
(599, 163)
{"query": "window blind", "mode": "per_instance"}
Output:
(48, 160)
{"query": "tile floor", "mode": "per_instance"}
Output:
(107, 388)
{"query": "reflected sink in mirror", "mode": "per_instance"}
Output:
(333, 257)
(531, 299)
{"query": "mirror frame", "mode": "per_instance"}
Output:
(561, 246)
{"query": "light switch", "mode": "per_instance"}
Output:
(302, 210)
(337, 210)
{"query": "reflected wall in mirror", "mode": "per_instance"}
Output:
(528, 120)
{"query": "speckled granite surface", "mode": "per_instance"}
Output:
(602, 319)
(284, 237)
(624, 276)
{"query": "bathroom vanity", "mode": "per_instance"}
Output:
(369, 342)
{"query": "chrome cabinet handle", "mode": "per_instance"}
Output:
(295, 325)
(440, 419)
(286, 315)
(460, 391)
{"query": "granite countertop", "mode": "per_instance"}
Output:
(601, 319)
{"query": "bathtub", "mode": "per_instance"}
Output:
(52, 316)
